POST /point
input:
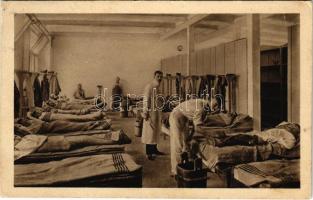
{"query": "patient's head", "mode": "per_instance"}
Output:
(22, 121)
(117, 80)
(293, 128)
(49, 103)
(36, 112)
(79, 86)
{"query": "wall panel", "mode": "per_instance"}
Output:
(242, 72)
(206, 61)
(220, 59)
(200, 67)
(230, 58)
(212, 60)
(193, 64)
(223, 59)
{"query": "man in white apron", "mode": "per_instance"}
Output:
(190, 110)
(152, 110)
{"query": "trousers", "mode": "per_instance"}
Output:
(178, 137)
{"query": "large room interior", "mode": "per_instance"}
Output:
(256, 55)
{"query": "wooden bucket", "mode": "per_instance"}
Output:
(188, 177)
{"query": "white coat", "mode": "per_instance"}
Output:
(152, 126)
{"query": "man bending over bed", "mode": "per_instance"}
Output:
(190, 110)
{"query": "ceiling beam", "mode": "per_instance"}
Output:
(89, 18)
(20, 32)
(224, 19)
(215, 23)
(183, 26)
(268, 42)
(98, 29)
(110, 23)
(206, 26)
(279, 22)
(278, 35)
(283, 20)
(227, 31)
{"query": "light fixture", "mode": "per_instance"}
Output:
(180, 47)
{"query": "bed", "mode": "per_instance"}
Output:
(269, 174)
(109, 170)
(45, 147)
(86, 166)
(222, 157)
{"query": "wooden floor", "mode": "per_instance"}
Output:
(156, 174)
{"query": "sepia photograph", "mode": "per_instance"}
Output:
(158, 100)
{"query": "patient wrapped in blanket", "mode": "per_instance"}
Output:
(40, 143)
(52, 116)
(35, 126)
(64, 105)
(231, 149)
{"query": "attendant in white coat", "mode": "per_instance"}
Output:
(151, 114)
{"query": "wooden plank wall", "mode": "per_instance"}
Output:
(223, 59)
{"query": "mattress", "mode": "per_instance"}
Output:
(270, 173)
(111, 170)
(86, 151)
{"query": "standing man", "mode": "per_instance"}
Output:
(152, 116)
(190, 110)
(117, 94)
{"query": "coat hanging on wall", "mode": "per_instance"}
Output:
(45, 88)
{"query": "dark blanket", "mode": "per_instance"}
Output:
(219, 120)
(239, 139)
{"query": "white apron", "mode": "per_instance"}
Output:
(151, 127)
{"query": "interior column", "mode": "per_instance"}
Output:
(294, 73)
(190, 47)
(253, 63)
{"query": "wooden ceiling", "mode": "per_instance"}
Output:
(207, 27)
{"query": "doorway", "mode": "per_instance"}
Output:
(274, 87)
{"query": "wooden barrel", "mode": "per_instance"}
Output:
(188, 177)
(138, 128)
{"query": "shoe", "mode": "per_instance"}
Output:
(150, 157)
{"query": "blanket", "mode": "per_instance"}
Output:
(84, 151)
(72, 169)
(273, 173)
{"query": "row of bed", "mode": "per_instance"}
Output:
(73, 145)
(72, 148)
(246, 158)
